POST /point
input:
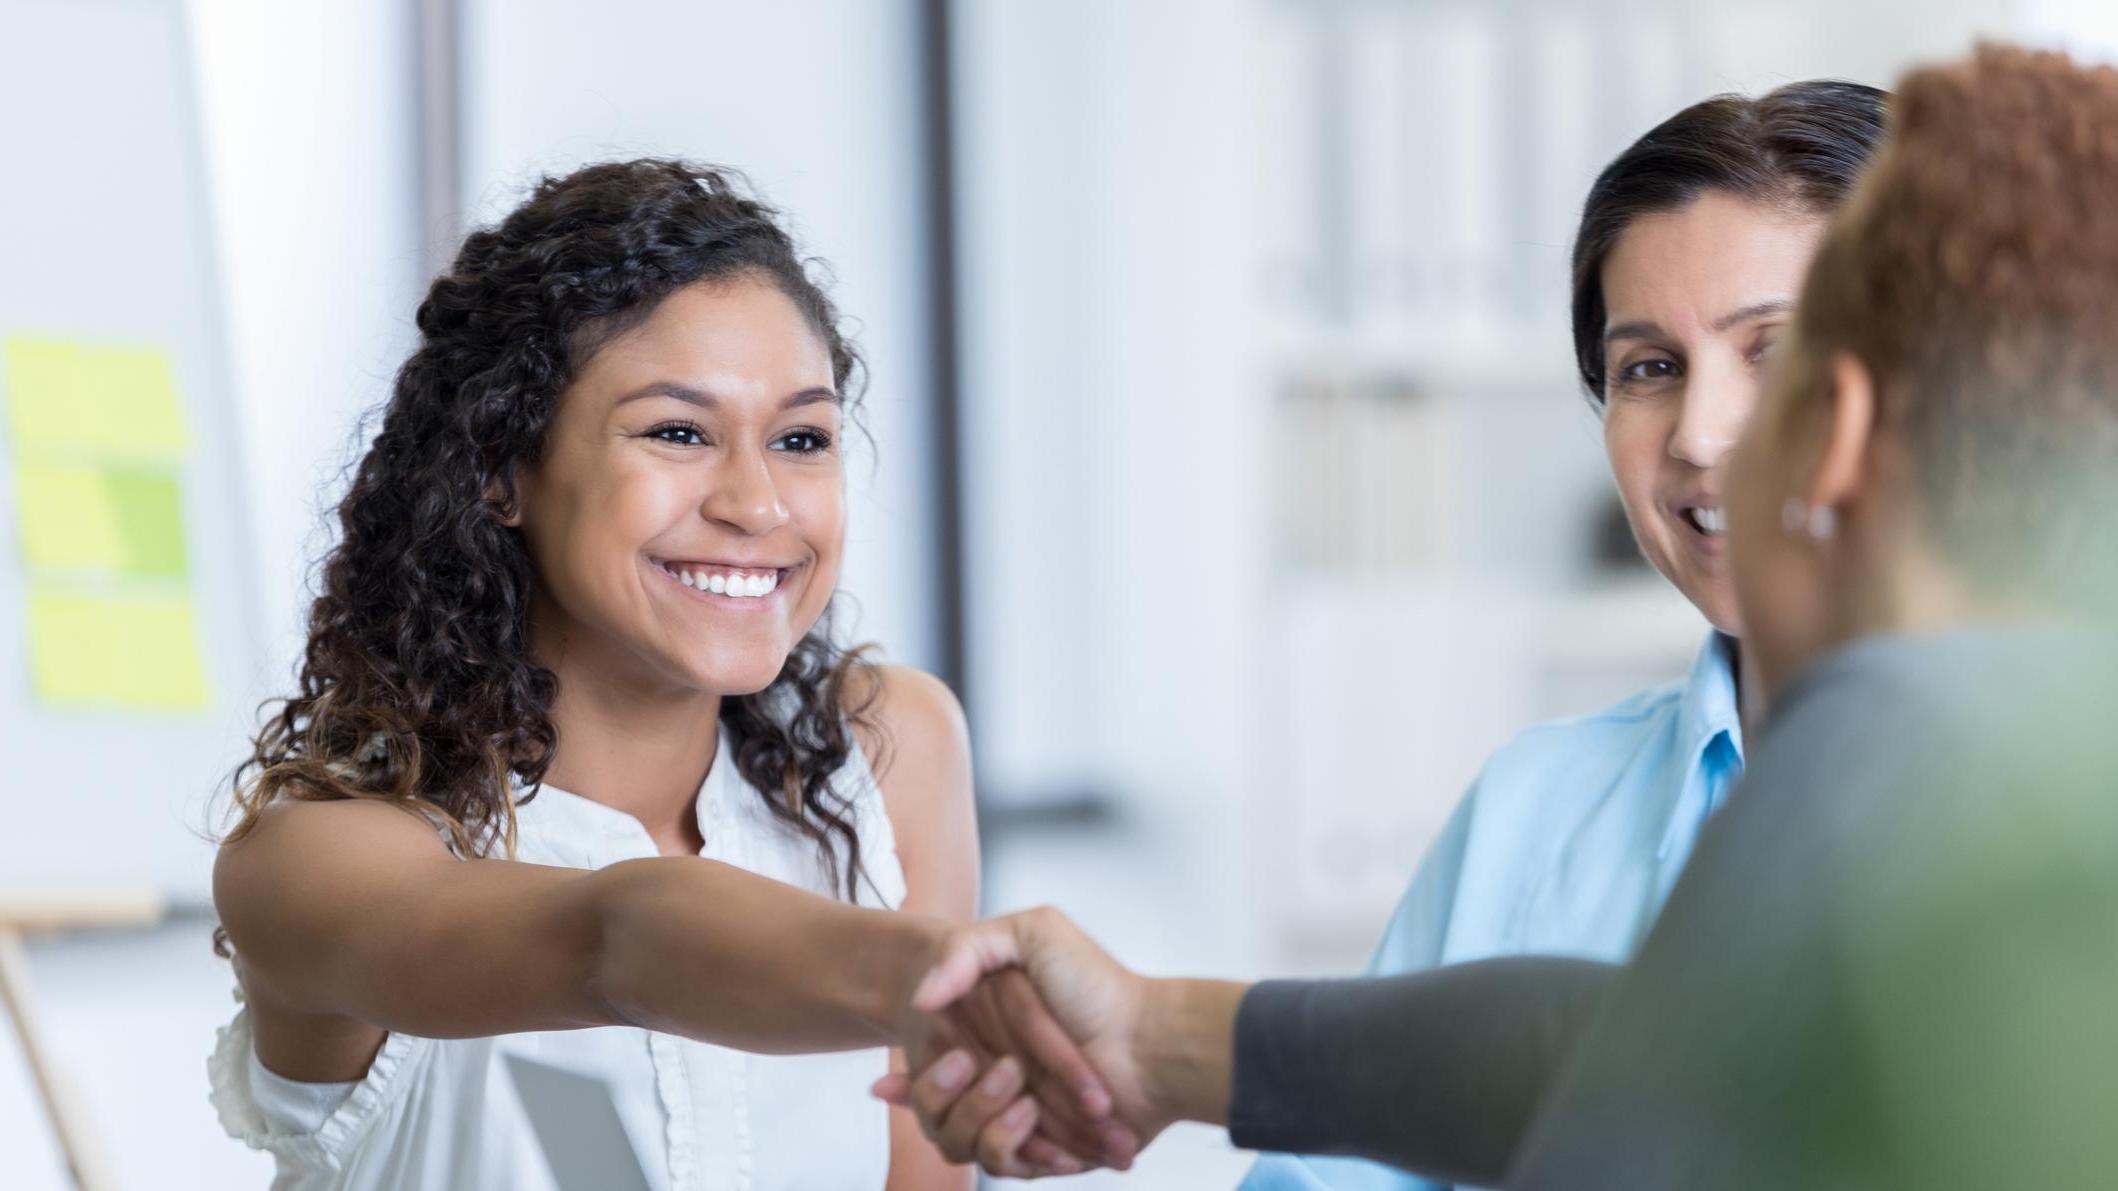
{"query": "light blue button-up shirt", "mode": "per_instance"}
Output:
(1566, 845)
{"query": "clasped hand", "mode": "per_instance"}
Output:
(1025, 1061)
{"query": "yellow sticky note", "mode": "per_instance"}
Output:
(115, 651)
(115, 520)
(110, 401)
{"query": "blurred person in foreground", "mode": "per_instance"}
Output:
(1892, 961)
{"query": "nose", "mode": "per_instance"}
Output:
(743, 495)
(1717, 405)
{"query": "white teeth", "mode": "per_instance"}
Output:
(1713, 521)
(742, 585)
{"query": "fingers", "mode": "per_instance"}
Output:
(979, 1018)
(996, 1144)
(1039, 1154)
(971, 1121)
(1121, 1145)
(935, 1090)
(990, 1102)
(1007, 1146)
(1008, 1016)
(1040, 1038)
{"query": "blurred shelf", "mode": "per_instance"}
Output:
(1521, 360)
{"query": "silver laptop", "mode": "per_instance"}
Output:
(577, 1124)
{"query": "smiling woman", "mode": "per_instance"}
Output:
(573, 746)
(1697, 298)
(698, 449)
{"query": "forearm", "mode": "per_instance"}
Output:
(713, 952)
(1438, 1072)
(1185, 1046)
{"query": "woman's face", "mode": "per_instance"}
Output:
(1696, 298)
(687, 517)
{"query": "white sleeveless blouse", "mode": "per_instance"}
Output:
(435, 1114)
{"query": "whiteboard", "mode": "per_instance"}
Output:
(105, 238)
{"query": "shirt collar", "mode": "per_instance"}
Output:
(591, 833)
(1705, 713)
(1708, 708)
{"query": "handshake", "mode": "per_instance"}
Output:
(1035, 1053)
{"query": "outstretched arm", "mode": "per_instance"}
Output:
(1436, 1071)
(351, 919)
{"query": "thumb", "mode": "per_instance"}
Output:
(968, 954)
(894, 1088)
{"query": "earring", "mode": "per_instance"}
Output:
(1821, 523)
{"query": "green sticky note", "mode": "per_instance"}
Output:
(150, 519)
(117, 402)
(128, 652)
(113, 520)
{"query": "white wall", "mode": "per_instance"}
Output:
(309, 126)
(1110, 381)
(2086, 28)
(817, 101)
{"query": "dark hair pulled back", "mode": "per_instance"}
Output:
(1803, 144)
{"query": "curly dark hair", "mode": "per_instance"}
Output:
(1803, 144)
(418, 686)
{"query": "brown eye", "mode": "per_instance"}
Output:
(1648, 371)
(803, 442)
(683, 434)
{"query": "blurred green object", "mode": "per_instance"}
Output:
(120, 520)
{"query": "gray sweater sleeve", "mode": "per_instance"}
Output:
(1438, 1072)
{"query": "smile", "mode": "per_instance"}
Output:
(739, 583)
(1707, 520)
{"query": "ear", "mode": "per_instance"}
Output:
(1849, 430)
(505, 505)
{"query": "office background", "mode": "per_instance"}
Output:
(1227, 452)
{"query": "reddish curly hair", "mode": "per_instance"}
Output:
(1975, 273)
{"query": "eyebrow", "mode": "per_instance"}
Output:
(705, 400)
(1649, 330)
(1754, 310)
